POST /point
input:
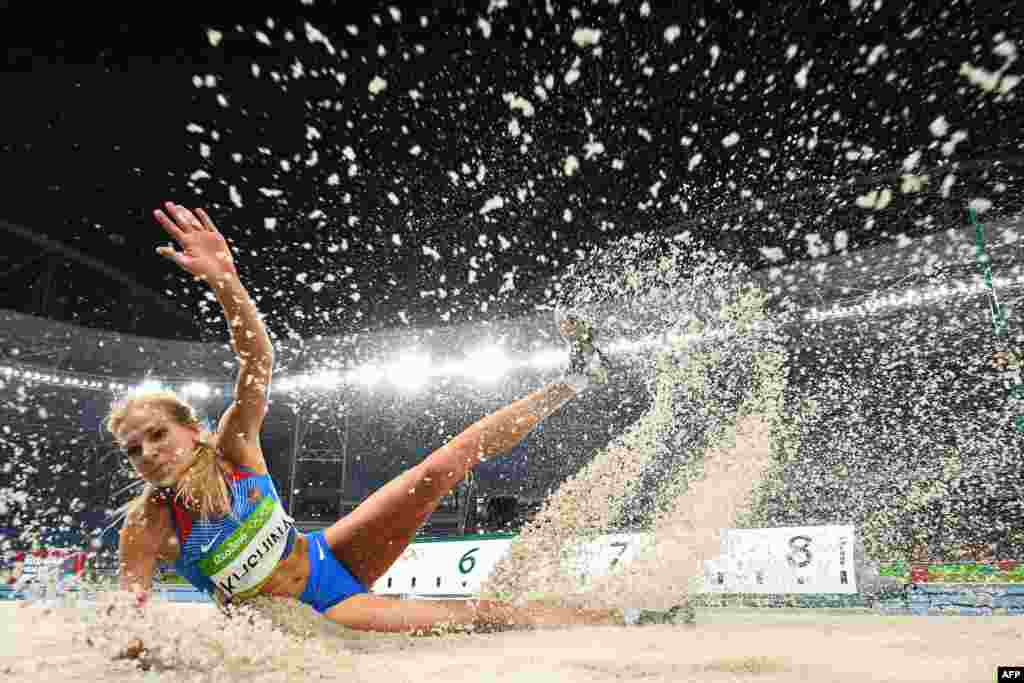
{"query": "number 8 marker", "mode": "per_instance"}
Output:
(799, 545)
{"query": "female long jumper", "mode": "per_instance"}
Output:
(210, 506)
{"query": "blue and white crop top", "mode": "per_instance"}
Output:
(232, 557)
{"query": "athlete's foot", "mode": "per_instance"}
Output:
(680, 615)
(585, 364)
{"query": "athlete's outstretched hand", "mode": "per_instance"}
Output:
(204, 252)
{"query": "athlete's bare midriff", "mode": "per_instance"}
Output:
(291, 574)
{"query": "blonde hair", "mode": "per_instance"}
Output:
(204, 485)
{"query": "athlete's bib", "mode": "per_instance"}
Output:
(231, 557)
(244, 561)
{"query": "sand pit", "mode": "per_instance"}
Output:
(727, 645)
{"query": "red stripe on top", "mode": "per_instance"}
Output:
(183, 520)
(238, 475)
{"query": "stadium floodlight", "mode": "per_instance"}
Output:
(488, 364)
(367, 375)
(410, 372)
(149, 386)
(544, 360)
(326, 379)
(198, 390)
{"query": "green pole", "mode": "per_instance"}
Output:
(996, 311)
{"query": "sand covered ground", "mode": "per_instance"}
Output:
(726, 645)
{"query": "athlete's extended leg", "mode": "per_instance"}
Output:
(376, 533)
(368, 612)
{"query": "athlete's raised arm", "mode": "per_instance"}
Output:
(206, 255)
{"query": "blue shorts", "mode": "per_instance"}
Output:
(330, 581)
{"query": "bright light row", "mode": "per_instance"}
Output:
(59, 379)
(909, 298)
(413, 370)
(198, 390)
